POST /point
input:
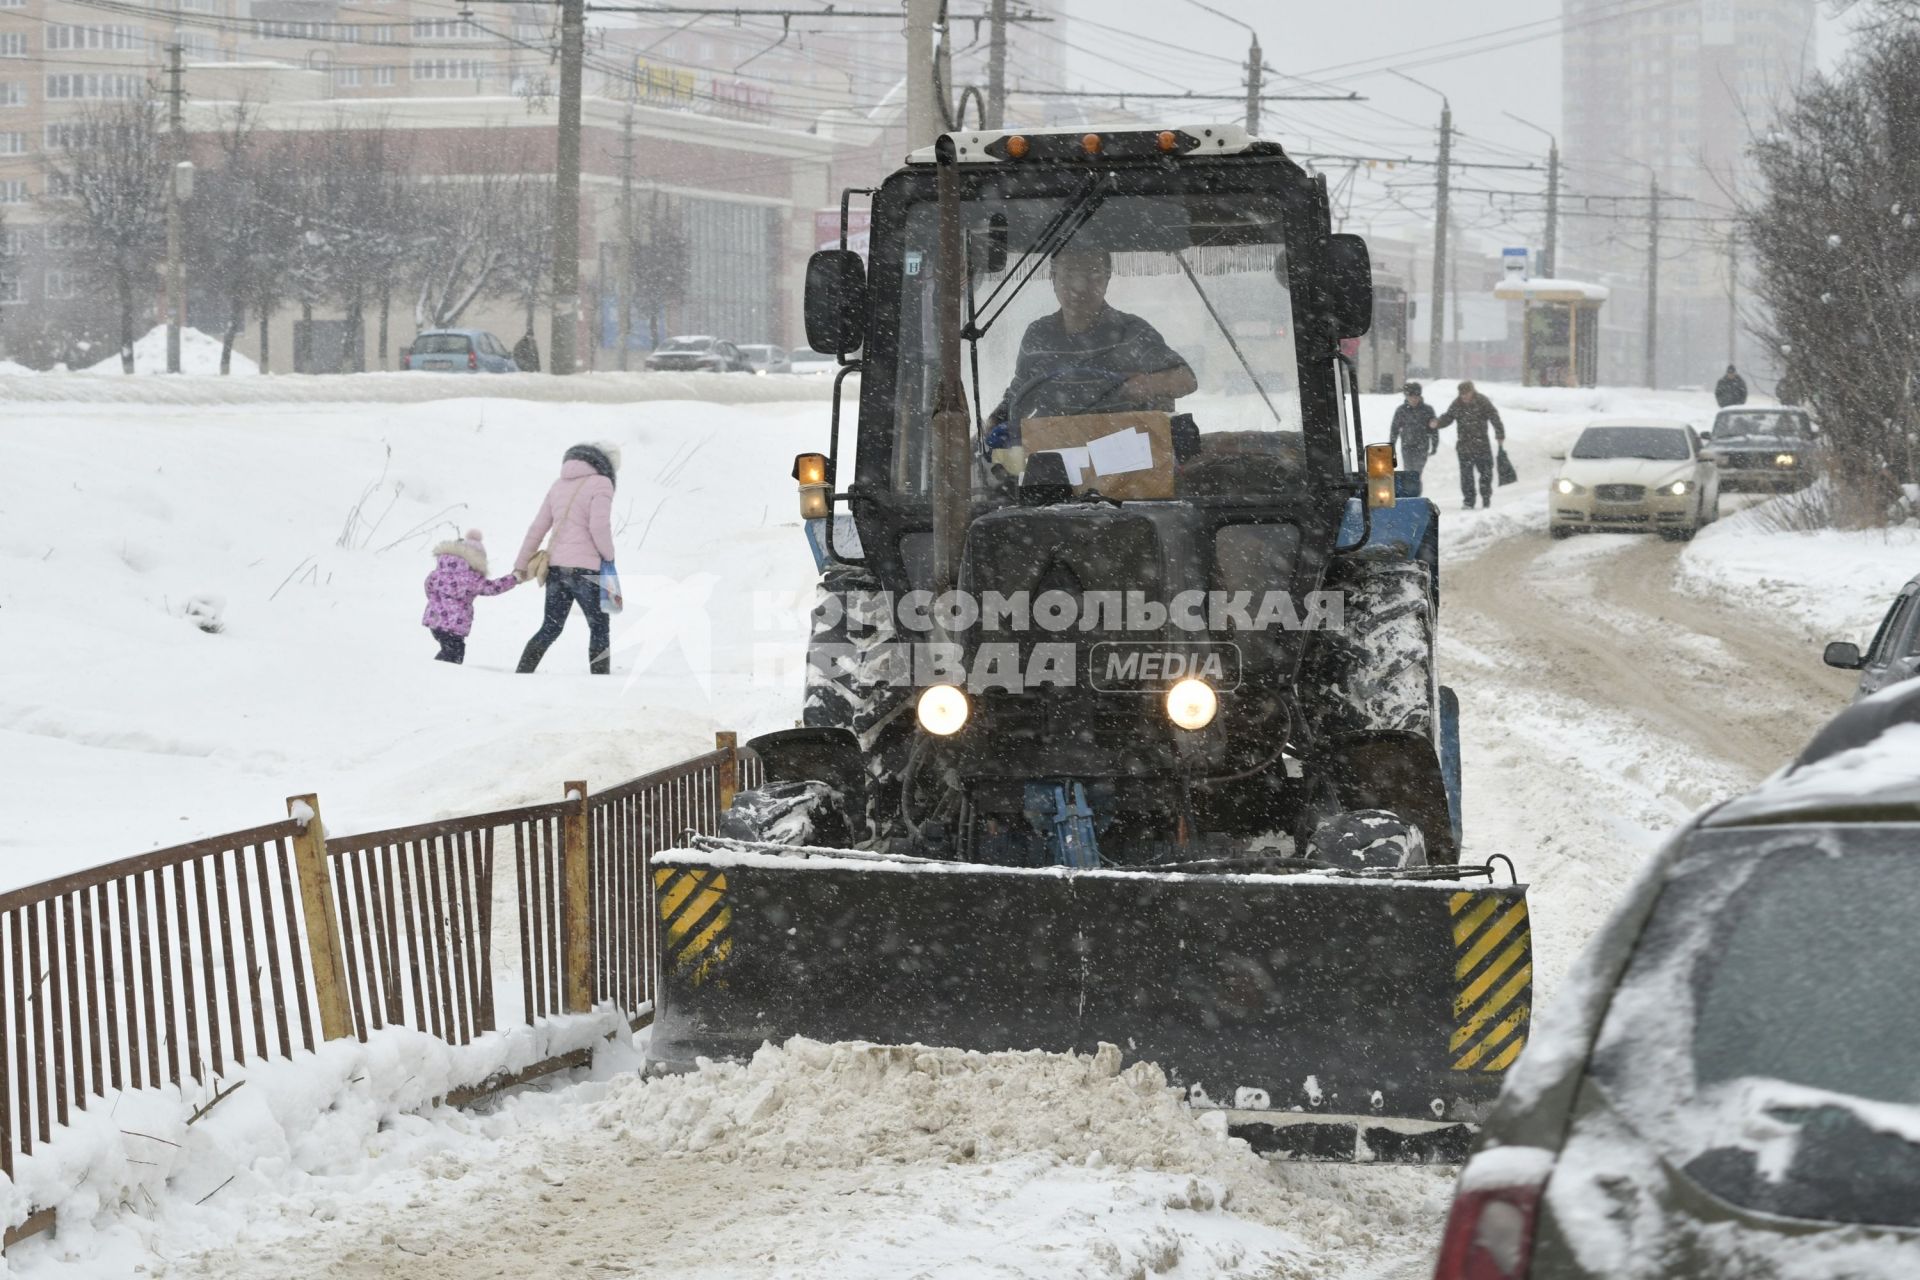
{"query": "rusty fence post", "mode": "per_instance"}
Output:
(729, 768)
(576, 902)
(323, 921)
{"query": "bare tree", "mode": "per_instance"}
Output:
(108, 191)
(242, 228)
(659, 266)
(527, 264)
(1837, 238)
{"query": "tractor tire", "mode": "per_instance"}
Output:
(851, 657)
(1374, 672)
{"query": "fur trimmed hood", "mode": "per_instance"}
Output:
(476, 557)
(603, 457)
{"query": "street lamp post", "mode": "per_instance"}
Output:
(1255, 64)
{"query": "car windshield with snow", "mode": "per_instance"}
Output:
(442, 344)
(1772, 424)
(1659, 444)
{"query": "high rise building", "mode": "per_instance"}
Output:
(1669, 92)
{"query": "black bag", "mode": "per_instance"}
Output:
(1504, 469)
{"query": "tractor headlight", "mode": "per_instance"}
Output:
(1680, 488)
(942, 710)
(1192, 704)
(1566, 486)
(1782, 459)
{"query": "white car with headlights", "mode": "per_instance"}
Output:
(1637, 476)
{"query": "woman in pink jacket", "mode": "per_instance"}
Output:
(578, 511)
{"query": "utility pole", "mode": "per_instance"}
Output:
(923, 113)
(997, 66)
(562, 346)
(1453, 310)
(1653, 277)
(1436, 333)
(1253, 85)
(1549, 255)
(176, 275)
(1733, 285)
(626, 285)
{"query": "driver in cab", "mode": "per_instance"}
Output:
(1088, 357)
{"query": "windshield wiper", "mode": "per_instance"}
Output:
(1221, 325)
(1054, 237)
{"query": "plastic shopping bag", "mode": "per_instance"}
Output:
(610, 598)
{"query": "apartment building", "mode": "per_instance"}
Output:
(1669, 92)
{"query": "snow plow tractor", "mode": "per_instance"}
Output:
(1122, 722)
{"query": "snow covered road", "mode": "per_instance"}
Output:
(1601, 704)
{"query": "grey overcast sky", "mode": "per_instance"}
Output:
(1177, 44)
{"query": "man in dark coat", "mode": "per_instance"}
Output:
(1474, 412)
(1731, 389)
(526, 353)
(1413, 436)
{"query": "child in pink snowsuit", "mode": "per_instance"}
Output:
(459, 575)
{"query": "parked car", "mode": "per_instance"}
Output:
(1764, 450)
(1728, 1085)
(701, 352)
(766, 358)
(1641, 474)
(807, 360)
(1894, 654)
(459, 351)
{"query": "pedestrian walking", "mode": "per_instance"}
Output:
(459, 577)
(575, 519)
(1413, 435)
(1473, 413)
(1731, 389)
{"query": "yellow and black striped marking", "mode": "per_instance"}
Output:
(1493, 980)
(694, 917)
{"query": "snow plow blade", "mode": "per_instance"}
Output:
(1333, 1018)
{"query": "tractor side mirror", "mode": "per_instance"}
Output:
(836, 304)
(1843, 654)
(1350, 285)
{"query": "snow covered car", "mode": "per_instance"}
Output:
(459, 351)
(698, 352)
(1764, 450)
(1894, 654)
(1643, 474)
(1727, 1086)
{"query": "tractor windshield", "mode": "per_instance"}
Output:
(1148, 339)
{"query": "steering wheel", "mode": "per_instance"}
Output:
(1113, 382)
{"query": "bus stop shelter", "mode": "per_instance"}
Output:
(1560, 327)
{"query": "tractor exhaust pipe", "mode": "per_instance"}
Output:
(952, 434)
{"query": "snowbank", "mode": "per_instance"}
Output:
(845, 1160)
(203, 386)
(1826, 585)
(199, 354)
(136, 1167)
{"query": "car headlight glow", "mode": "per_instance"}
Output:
(942, 710)
(1564, 485)
(1192, 703)
(1782, 459)
(1680, 488)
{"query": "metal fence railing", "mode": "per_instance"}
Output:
(173, 966)
(149, 971)
(629, 824)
